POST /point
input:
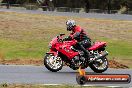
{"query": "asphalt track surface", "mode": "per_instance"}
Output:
(40, 75)
(82, 15)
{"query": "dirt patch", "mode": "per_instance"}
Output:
(112, 63)
(22, 62)
(117, 65)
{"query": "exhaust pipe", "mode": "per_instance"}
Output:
(102, 56)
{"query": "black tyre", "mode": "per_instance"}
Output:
(99, 67)
(53, 63)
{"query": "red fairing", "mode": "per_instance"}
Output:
(97, 45)
(63, 47)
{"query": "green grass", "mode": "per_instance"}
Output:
(118, 49)
(12, 49)
(37, 48)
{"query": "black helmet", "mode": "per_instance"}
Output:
(70, 24)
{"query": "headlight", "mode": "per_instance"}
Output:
(50, 45)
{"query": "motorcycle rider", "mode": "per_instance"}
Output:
(83, 41)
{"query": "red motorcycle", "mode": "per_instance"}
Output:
(64, 52)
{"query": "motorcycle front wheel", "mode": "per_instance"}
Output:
(53, 63)
(99, 66)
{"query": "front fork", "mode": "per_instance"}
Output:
(56, 55)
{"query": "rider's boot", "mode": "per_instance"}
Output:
(86, 53)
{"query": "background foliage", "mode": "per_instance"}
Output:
(93, 4)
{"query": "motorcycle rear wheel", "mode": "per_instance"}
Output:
(97, 68)
(53, 63)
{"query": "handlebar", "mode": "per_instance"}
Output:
(59, 36)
